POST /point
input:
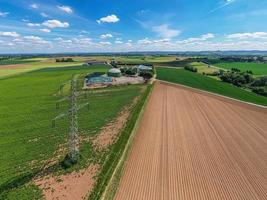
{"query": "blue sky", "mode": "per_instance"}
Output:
(131, 25)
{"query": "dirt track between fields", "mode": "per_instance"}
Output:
(191, 145)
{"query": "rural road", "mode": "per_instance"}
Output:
(196, 146)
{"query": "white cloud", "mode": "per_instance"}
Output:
(25, 20)
(104, 36)
(162, 41)
(35, 40)
(84, 32)
(34, 6)
(4, 14)
(17, 40)
(9, 34)
(33, 24)
(108, 19)
(66, 9)
(166, 32)
(105, 43)
(55, 24)
(61, 40)
(31, 37)
(118, 42)
(45, 30)
(255, 35)
(44, 14)
(66, 41)
(198, 39)
(144, 41)
(82, 41)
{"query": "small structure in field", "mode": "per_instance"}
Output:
(114, 72)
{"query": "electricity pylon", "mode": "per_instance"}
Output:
(72, 114)
(73, 134)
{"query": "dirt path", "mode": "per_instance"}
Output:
(195, 146)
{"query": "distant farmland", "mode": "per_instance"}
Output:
(199, 81)
(13, 67)
(256, 68)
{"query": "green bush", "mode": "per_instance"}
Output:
(260, 82)
(236, 78)
(190, 68)
(146, 75)
(260, 91)
(131, 71)
(64, 60)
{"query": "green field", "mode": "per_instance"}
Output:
(14, 61)
(203, 68)
(27, 139)
(195, 80)
(256, 68)
(27, 65)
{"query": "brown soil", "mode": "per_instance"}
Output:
(76, 185)
(191, 145)
(17, 66)
(110, 132)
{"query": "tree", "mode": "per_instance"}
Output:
(146, 75)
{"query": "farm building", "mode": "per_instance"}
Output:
(114, 72)
(144, 68)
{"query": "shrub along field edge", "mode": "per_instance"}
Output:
(109, 176)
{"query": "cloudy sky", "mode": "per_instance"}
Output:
(131, 25)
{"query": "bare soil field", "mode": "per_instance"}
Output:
(192, 145)
(16, 66)
(68, 187)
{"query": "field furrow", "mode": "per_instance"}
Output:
(193, 145)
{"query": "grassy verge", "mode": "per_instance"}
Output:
(117, 150)
(205, 83)
(113, 184)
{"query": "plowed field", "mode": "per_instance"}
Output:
(192, 145)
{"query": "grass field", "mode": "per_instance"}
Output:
(15, 62)
(256, 68)
(27, 139)
(195, 80)
(203, 68)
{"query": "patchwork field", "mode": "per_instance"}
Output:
(205, 83)
(256, 68)
(196, 146)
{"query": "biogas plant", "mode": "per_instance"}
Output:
(125, 75)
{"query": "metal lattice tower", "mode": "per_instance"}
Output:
(74, 139)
